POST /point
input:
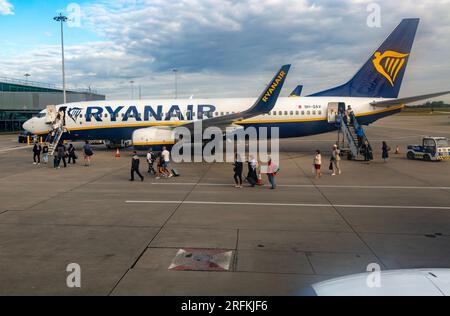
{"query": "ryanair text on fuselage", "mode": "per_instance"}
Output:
(157, 113)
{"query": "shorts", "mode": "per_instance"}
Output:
(165, 164)
(318, 167)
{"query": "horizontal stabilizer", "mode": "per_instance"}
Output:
(409, 99)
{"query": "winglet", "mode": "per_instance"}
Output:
(269, 97)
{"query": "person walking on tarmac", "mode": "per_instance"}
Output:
(72, 155)
(62, 153)
(88, 153)
(252, 176)
(151, 161)
(37, 149)
(272, 173)
(45, 153)
(386, 149)
(238, 169)
(335, 160)
(135, 166)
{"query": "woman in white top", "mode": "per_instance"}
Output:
(318, 164)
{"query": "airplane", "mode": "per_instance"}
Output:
(372, 94)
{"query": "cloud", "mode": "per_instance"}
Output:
(231, 48)
(6, 8)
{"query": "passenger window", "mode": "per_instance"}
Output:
(308, 113)
(280, 113)
(320, 112)
(314, 112)
(296, 112)
(221, 113)
(292, 112)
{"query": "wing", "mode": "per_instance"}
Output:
(265, 103)
(409, 99)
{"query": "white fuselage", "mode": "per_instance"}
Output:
(118, 119)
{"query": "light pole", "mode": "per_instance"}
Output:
(62, 19)
(26, 77)
(175, 71)
(132, 89)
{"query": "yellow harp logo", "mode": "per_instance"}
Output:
(389, 64)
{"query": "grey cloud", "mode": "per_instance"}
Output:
(230, 48)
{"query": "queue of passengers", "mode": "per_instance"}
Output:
(65, 154)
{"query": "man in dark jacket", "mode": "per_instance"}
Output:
(135, 167)
(62, 153)
(72, 155)
(37, 149)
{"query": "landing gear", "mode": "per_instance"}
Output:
(411, 156)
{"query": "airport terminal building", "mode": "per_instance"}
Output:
(20, 100)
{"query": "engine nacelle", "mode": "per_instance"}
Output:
(153, 136)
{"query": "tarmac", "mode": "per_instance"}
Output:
(125, 235)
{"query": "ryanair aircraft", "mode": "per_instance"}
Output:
(372, 94)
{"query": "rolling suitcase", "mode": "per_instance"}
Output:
(175, 173)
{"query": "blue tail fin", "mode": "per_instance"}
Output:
(382, 75)
(297, 92)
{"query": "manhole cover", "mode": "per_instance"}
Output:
(189, 259)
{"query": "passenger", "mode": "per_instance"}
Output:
(159, 168)
(386, 149)
(135, 166)
(318, 164)
(72, 154)
(252, 176)
(368, 155)
(350, 114)
(37, 149)
(335, 160)
(56, 160)
(62, 153)
(271, 174)
(45, 153)
(88, 153)
(165, 154)
(238, 170)
(360, 136)
(151, 161)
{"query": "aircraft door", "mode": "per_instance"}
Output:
(333, 108)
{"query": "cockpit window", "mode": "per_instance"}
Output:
(41, 115)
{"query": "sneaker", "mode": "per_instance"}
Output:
(34, 163)
(333, 174)
(157, 178)
(171, 175)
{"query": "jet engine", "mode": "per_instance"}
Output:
(153, 136)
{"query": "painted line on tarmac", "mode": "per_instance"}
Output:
(12, 149)
(293, 205)
(313, 186)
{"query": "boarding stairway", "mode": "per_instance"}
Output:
(348, 136)
(53, 139)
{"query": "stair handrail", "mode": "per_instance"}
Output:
(349, 138)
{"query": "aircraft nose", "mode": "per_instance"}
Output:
(27, 126)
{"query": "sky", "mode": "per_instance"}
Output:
(221, 48)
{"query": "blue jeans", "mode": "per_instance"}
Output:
(272, 181)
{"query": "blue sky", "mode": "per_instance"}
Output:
(223, 48)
